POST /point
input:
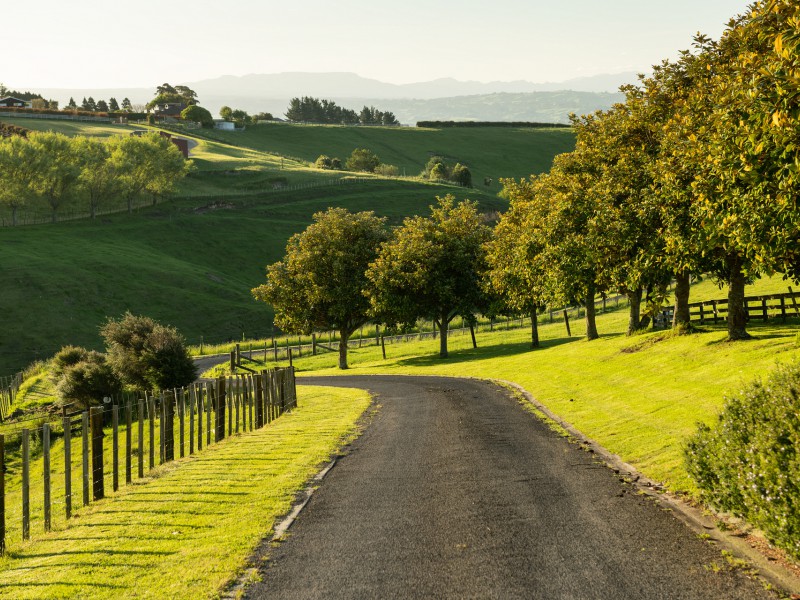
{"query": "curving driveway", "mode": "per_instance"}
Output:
(455, 491)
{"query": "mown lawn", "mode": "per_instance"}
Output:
(640, 397)
(187, 529)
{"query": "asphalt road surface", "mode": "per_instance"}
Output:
(455, 491)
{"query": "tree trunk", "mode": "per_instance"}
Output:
(737, 316)
(93, 210)
(635, 312)
(53, 216)
(443, 337)
(130, 204)
(534, 329)
(591, 325)
(13, 216)
(343, 337)
(680, 315)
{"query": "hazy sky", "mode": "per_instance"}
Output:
(140, 44)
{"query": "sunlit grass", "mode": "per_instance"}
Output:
(188, 527)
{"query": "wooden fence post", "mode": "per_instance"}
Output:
(151, 409)
(128, 440)
(383, 348)
(26, 482)
(115, 447)
(2, 494)
(208, 405)
(313, 344)
(764, 309)
(181, 411)
(192, 402)
(96, 418)
(221, 398)
(46, 474)
(229, 406)
(290, 356)
(140, 441)
(67, 425)
(259, 402)
(169, 425)
(85, 449)
(275, 348)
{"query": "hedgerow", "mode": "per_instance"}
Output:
(748, 463)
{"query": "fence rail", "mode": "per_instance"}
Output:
(766, 307)
(91, 454)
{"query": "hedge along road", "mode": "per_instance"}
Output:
(455, 490)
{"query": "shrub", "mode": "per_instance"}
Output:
(362, 159)
(461, 175)
(198, 114)
(438, 172)
(387, 170)
(146, 354)
(326, 162)
(64, 359)
(748, 463)
(88, 381)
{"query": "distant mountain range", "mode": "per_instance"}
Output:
(440, 99)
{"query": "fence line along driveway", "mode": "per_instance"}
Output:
(455, 491)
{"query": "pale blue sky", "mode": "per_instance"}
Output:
(130, 44)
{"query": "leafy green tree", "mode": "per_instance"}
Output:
(362, 159)
(431, 268)
(325, 162)
(146, 354)
(71, 105)
(387, 170)
(439, 172)
(319, 284)
(226, 113)
(54, 169)
(16, 174)
(198, 114)
(89, 104)
(98, 179)
(167, 94)
(113, 105)
(102, 106)
(126, 105)
(516, 267)
(461, 175)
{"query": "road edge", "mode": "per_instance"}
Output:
(693, 517)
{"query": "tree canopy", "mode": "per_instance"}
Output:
(319, 283)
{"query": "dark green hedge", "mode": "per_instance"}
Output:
(515, 124)
(7, 130)
(748, 463)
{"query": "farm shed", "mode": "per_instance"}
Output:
(11, 102)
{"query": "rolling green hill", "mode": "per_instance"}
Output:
(192, 261)
(492, 152)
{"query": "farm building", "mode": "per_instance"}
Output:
(170, 109)
(224, 125)
(10, 102)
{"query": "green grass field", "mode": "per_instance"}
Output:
(186, 529)
(192, 261)
(640, 397)
(189, 263)
(492, 152)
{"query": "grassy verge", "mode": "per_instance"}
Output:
(198, 517)
(640, 397)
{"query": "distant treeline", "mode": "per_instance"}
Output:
(314, 110)
(515, 124)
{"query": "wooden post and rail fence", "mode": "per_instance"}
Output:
(175, 422)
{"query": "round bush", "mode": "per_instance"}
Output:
(748, 463)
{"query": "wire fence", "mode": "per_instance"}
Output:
(50, 470)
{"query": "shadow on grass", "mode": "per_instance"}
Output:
(471, 354)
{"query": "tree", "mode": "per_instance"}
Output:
(362, 159)
(102, 106)
(225, 112)
(149, 163)
(54, 170)
(198, 114)
(90, 105)
(327, 163)
(126, 105)
(71, 105)
(16, 174)
(516, 268)
(431, 268)
(167, 94)
(146, 354)
(98, 178)
(461, 175)
(113, 105)
(319, 284)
